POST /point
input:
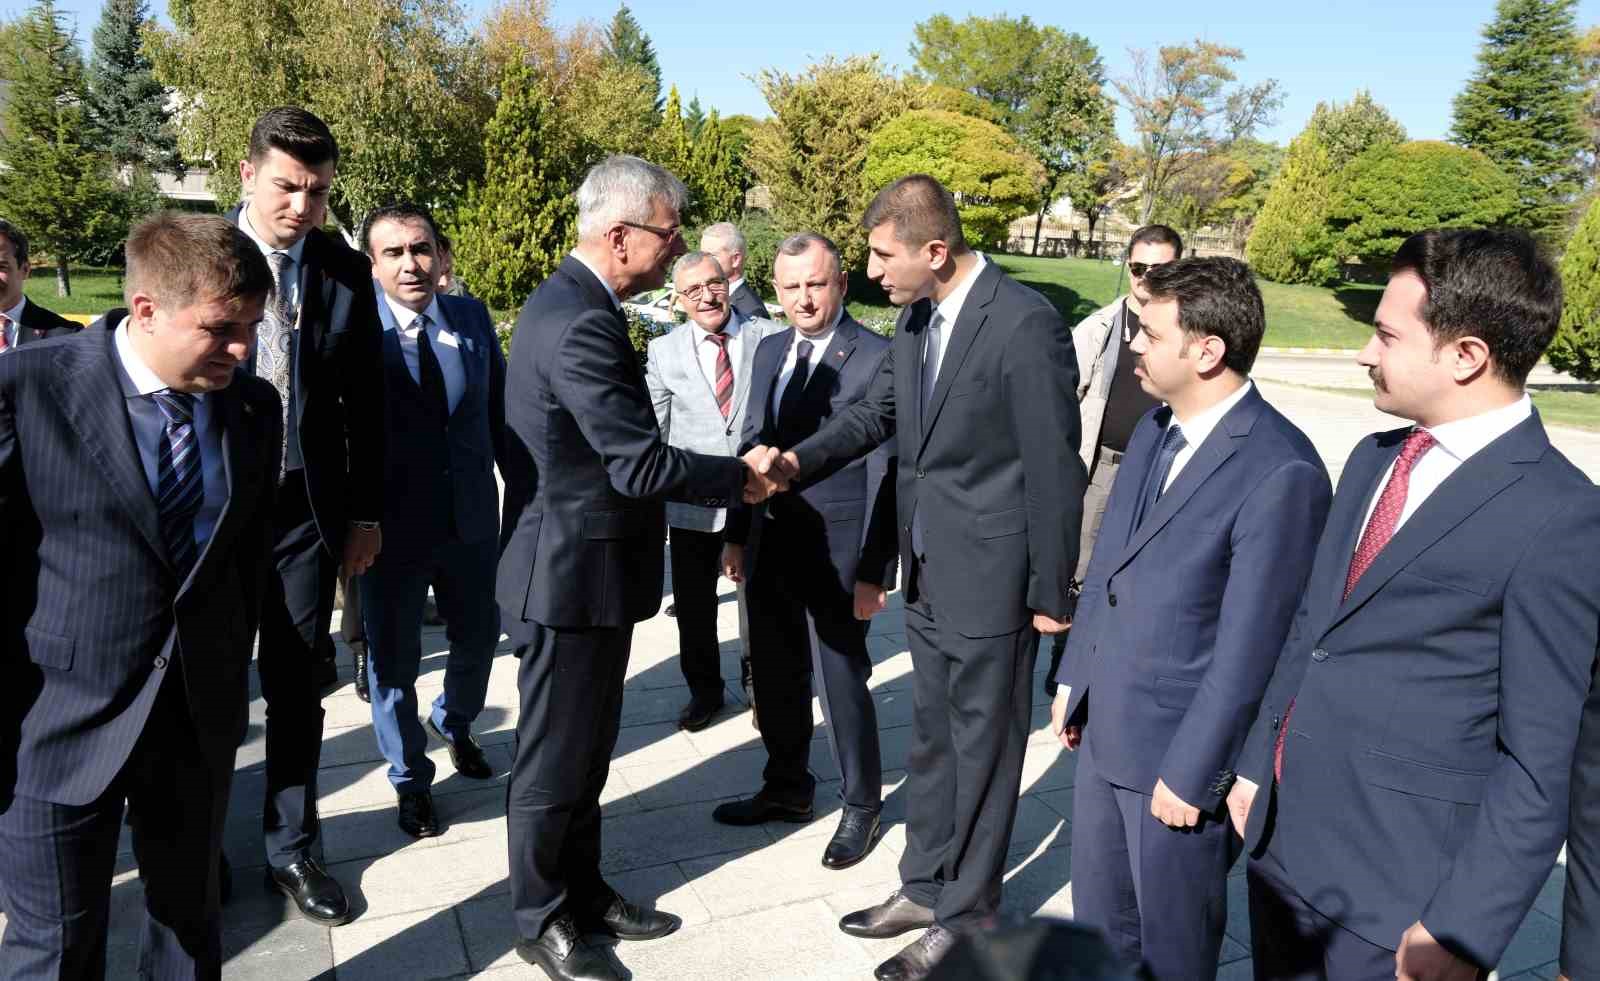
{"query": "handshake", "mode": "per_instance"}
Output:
(768, 472)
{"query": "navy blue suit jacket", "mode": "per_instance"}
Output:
(95, 614)
(1427, 763)
(586, 471)
(1181, 620)
(852, 508)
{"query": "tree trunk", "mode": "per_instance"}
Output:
(63, 278)
(1038, 223)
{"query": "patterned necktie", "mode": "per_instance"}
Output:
(5, 333)
(930, 362)
(724, 374)
(789, 404)
(1380, 528)
(432, 375)
(1172, 442)
(179, 488)
(275, 342)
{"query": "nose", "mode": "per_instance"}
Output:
(1367, 357)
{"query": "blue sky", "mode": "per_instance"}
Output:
(1413, 55)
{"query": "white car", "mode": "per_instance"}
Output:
(655, 306)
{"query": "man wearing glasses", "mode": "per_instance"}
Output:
(699, 380)
(1110, 400)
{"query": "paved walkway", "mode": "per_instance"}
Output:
(755, 901)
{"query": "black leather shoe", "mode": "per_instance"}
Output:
(363, 687)
(628, 921)
(857, 829)
(759, 810)
(561, 953)
(417, 816)
(917, 960)
(698, 713)
(890, 918)
(466, 754)
(318, 895)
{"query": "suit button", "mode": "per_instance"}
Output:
(1319, 655)
(161, 662)
(920, 474)
(1111, 598)
(1277, 720)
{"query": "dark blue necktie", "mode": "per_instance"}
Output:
(179, 488)
(1171, 443)
(789, 431)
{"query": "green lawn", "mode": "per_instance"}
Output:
(94, 291)
(1297, 316)
(1558, 407)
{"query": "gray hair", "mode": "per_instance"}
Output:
(624, 188)
(690, 260)
(725, 232)
(801, 242)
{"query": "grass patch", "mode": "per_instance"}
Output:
(94, 291)
(1557, 406)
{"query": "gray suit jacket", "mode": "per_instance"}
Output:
(686, 406)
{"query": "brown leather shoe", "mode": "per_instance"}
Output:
(918, 959)
(890, 918)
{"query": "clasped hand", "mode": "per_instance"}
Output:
(768, 472)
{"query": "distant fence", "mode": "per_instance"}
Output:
(1110, 249)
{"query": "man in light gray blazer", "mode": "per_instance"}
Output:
(699, 380)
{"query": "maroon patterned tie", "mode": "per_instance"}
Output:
(5, 332)
(1380, 528)
(724, 374)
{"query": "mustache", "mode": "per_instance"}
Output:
(1376, 377)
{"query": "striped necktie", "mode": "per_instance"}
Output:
(724, 374)
(179, 488)
(5, 332)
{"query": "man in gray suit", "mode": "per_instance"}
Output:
(699, 380)
(727, 245)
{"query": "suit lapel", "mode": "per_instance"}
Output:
(832, 364)
(766, 367)
(748, 341)
(239, 449)
(964, 334)
(26, 326)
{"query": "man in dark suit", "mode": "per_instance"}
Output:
(22, 320)
(137, 469)
(586, 476)
(1207, 541)
(1404, 788)
(818, 560)
(726, 242)
(1580, 917)
(979, 386)
(320, 346)
(445, 408)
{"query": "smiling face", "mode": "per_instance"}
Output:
(703, 294)
(287, 198)
(12, 274)
(405, 261)
(195, 348)
(810, 288)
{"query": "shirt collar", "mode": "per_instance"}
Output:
(822, 339)
(1197, 429)
(403, 316)
(730, 330)
(145, 381)
(1464, 437)
(15, 313)
(950, 306)
(294, 251)
(734, 284)
(590, 266)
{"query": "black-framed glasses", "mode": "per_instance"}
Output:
(1138, 269)
(715, 287)
(667, 234)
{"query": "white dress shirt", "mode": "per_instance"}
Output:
(819, 347)
(149, 426)
(296, 271)
(446, 346)
(609, 291)
(1197, 429)
(1454, 444)
(14, 329)
(950, 308)
(705, 350)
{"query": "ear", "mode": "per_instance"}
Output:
(142, 309)
(1468, 357)
(1210, 354)
(247, 177)
(938, 253)
(617, 238)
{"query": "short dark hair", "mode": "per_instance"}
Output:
(922, 211)
(1157, 235)
(181, 258)
(296, 132)
(445, 245)
(397, 211)
(19, 241)
(1215, 295)
(1493, 284)
(801, 242)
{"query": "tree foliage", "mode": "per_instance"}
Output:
(717, 177)
(127, 106)
(1523, 108)
(1093, 190)
(1225, 189)
(1394, 191)
(671, 148)
(998, 59)
(993, 178)
(627, 43)
(1576, 348)
(1068, 125)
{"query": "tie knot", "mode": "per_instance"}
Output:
(802, 351)
(1416, 444)
(420, 324)
(719, 339)
(1173, 440)
(178, 407)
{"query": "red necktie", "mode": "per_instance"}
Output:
(724, 373)
(1380, 528)
(5, 332)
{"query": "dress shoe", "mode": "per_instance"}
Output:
(363, 686)
(918, 959)
(759, 810)
(561, 953)
(417, 816)
(628, 921)
(698, 713)
(466, 754)
(857, 828)
(890, 918)
(318, 895)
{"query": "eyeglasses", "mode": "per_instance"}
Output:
(715, 287)
(1138, 269)
(667, 234)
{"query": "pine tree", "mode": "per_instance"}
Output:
(627, 42)
(1522, 108)
(1576, 347)
(672, 146)
(127, 106)
(522, 218)
(55, 185)
(694, 117)
(717, 176)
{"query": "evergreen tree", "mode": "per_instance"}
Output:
(672, 146)
(522, 218)
(127, 106)
(55, 185)
(1522, 108)
(1576, 348)
(627, 42)
(694, 117)
(718, 179)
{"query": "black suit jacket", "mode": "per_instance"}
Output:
(1428, 757)
(95, 613)
(339, 385)
(747, 302)
(586, 471)
(37, 323)
(852, 509)
(993, 467)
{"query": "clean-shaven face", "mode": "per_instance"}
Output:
(904, 272)
(405, 261)
(195, 348)
(810, 289)
(287, 198)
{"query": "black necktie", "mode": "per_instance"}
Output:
(1171, 442)
(433, 390)
(789, 405)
